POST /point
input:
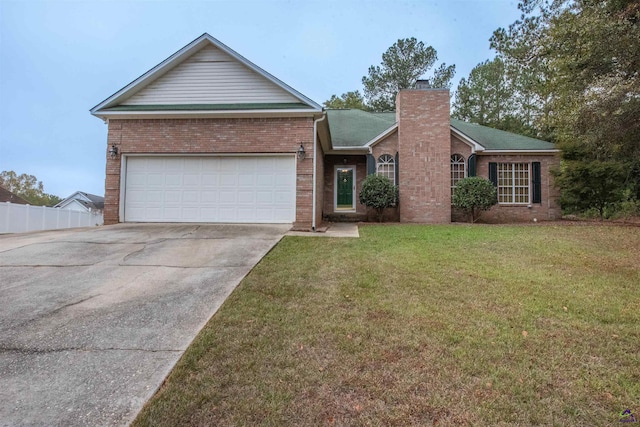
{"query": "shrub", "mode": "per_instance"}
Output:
(378, 192)
(595, 184)
(474, 195)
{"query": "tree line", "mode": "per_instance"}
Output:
(567, 71)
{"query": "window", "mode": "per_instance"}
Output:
(458, 170)
(513, 183)
(387, 167)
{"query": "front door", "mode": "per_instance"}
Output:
(344, 188)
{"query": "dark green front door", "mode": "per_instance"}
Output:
(345, 189)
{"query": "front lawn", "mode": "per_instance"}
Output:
(422, 325)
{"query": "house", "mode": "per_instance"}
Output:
(8, 196)
(208, 136)
(83, 202)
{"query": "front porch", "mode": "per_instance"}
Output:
(343, 177)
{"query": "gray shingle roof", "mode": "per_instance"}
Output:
(97, 202)
(354, 128)
(495, 139)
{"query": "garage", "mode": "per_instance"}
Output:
(232, 189)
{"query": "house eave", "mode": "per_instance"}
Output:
(179, 114)
(475, 147)
(348, 150)
(382, 136)
(526, 152)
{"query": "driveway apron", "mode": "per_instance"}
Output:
(93, 320)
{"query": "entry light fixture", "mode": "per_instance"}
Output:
(113, 151)
(301, 153)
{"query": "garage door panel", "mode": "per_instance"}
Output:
(227, 197)
(265, 181)
(265, 197)
(282, 197)
(190, 213)
(172, 197)
(246, 180)
(191, 180)
(151, 196)
(209, 196)
(173, 180)
(246, 197)
(190, 196)
(210, 189)
(169, 214)
(209, 179)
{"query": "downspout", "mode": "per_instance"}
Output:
(315, 166)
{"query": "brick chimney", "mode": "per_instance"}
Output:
(424, 148)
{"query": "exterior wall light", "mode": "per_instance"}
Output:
(301, 153)
(113, 151)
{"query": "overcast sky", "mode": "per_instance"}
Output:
(58, 59)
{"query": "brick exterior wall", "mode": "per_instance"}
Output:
(424, 144)
(210, 136)
(389, 145)
(548, 210)
(460, 147)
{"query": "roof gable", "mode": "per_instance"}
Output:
(87, 200)
(205, 75)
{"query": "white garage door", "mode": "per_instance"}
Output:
(210, 189)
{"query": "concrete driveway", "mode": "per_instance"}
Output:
(92, 320)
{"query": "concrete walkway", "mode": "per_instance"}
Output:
(333, 229)
(92, 320)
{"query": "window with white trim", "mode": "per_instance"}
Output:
(458, 170)
(513, 183)
(386, 166)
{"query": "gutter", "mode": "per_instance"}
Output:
(523, 152)
(177, 114)
(315, 166)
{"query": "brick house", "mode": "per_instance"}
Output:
(208, 136)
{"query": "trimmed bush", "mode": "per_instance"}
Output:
(378, 192)
(474, 195)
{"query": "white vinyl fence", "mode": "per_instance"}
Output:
(16, 218)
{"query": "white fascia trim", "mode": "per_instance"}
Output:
(208, 154)
(381, 136)
(475, 147)
(489, 152)
(348, 150)
(177, 57)
(169, 114)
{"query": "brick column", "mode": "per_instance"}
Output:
(424, 146)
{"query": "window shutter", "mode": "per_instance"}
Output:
(537, 182)
(471, 169)
(397, 169)
(371, 164)
(493, 173)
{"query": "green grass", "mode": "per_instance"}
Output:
(422, 325)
